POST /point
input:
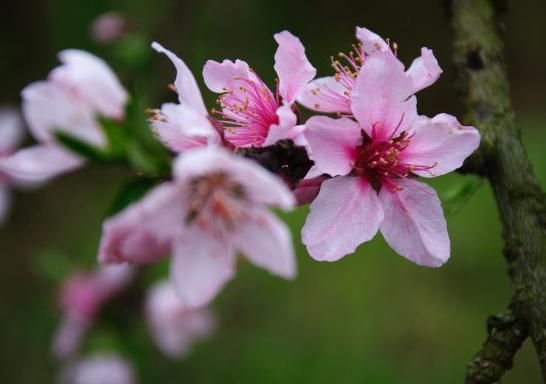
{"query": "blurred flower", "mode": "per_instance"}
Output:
(374, 160)
(215, 206)
(186, 125)
(253, 115)
(108, 28)
(82, 297)
(174, 327)
(333, 93)
(99, 369)
(75, 94)
(11, 134)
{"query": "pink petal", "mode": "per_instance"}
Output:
(424, 70)
(88, 77)
(174, 327)
(260, 185)
(285, 128)
(181, 128)
(308, 189)
(220, 77)
(371, 42)
(292, 66)
(185, 84)
(414, 223)
(143, 232)
(69, 335)
(379, 99)
(11, 130)
(100, 368)
(266, 241)
(39, 163)
(325, 94)
(48, 108)
(333, 143)
(441, 143)
(346, 213)
(200, 268)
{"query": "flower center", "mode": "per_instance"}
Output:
(248, 111)
(215, 202)
(383, 161)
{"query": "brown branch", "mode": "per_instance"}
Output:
(506, 334)
(483, 85)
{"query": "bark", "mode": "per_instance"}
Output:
(483, 85)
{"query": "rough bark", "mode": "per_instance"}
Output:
(483, 85)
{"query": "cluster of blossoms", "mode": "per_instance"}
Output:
(356, 163)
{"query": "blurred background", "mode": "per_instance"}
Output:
(372, 317)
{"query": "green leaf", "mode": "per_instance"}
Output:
(81, 148)
(455, 198)
(116, 136)
(130, 193)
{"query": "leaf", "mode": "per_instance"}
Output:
(116, 136)
(455, 198)
(130, 193)
(81, 148)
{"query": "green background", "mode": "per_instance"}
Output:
(372, 317)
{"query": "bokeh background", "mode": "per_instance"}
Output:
(372, 317)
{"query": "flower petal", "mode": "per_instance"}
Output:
(185, 84)
(371, 42)
(220, 77)
(69, 335)
(333, 143)
(308, 189)
(267, 243)
(441, 143)
(200, 268)
(325, 94)
(424, 70)
(285, 128)
(292, 66)
(48, 108)
(174, 327)
(346, 213)
(11, 130)
(91, 79)
(379, 99)
(143, 232)
(260, 185)
(39, 163)
(181, 127)
(414, 223)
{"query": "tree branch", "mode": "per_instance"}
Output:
(483, 85)
(506, 334)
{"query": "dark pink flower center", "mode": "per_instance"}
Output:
(215, 203)
(382, 162)
(248, 111)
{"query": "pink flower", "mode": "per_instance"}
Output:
(374, 161)
(76, 92)
(333, 93)
(174, 327)
(99, 369)
(185, 125)
(108, 27)
(253, 115)
(82, 297)
(11, 134)
(214, 207)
